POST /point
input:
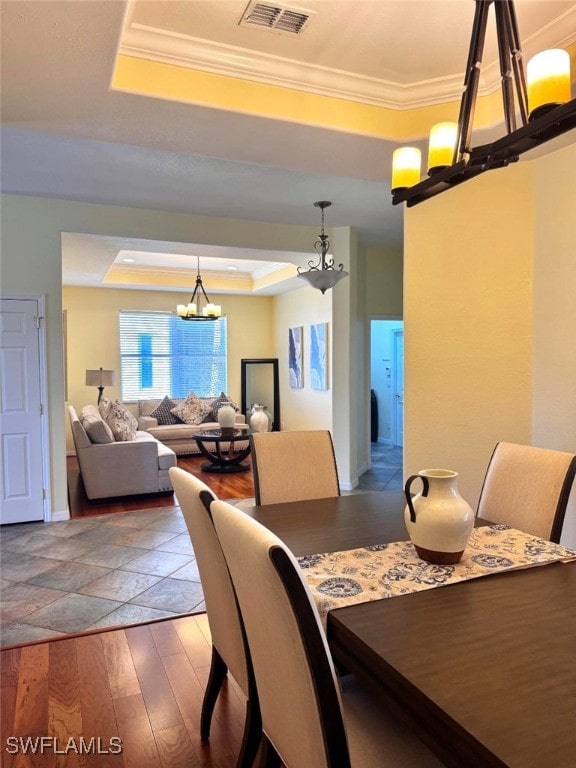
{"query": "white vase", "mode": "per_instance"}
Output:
(226, 417)
(259, 420)
(438, 520)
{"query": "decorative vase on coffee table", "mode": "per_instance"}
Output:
(226, 418)
(260, 420)
(438, 520)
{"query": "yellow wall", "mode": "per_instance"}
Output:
(92, 320)
(468, 324)
(490, 319)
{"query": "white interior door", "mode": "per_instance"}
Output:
(21, 489)
(398, 389)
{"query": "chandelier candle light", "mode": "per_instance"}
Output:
(543, 102)
(324, 274)
(194, 310)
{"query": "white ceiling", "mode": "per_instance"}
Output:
(66, 134)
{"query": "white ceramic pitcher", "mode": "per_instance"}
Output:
(438, 520)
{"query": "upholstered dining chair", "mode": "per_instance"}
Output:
(292, 466)
(305, 720)
(229, 649)
(528, 488)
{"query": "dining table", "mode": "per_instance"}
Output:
(483, 670)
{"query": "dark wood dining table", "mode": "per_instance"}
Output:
(484, 670)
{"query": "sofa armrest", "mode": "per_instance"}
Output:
(145, 423)
(119, 469)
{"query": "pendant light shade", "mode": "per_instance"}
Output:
(194, 309)
(322, 275)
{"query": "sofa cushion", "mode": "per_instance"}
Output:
(193, 410)
(122, 423)
(162, 413)
(221, 400)
(97, 430)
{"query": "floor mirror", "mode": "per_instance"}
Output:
(260, 384)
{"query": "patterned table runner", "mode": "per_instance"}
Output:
(386, 570)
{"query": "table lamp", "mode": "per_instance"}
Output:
(100, 378)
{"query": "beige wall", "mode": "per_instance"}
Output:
(385, 269)
(304, 408)
(92, 318)
(489, 290)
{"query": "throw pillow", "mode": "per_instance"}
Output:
(122, 423)
(221, 400)
(162, 413)
(192, 410)
(97, 430)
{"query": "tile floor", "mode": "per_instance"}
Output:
(115, 569)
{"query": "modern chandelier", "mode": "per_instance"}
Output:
(322, 275)
(194, 309)
(543, 103)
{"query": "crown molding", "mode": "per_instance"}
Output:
(166, 47)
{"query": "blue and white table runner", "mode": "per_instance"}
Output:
(380, 571)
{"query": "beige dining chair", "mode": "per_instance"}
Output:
(528, 488)
(229, 649)
(306, 720)
(293, 466)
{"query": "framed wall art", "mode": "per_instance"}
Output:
(296, 378)
(318, 360)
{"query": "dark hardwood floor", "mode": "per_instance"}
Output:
(237, 485)
(143, 685)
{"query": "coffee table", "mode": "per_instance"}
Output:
(219, 447)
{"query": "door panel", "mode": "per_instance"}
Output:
(21, 480)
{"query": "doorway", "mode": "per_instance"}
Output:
(387, 380)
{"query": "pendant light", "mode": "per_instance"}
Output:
(323, 274)
(194, 309)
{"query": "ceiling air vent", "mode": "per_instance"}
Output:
(279, 18)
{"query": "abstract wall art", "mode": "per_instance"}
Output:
(318, 360)
(296, 378)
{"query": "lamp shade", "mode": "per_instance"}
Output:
(548, 80)
(406, 163)
(441, 146)
(100, 378)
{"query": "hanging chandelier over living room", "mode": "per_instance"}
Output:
(199, 307)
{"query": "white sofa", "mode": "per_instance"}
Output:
(123, 468)
(178, 437)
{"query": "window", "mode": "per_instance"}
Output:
(160, 354)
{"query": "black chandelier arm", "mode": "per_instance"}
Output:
(471, 81)
(517, 66)
(201, 287)
(510, 55)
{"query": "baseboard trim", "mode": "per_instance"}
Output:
(60, 516)
(349, 486)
